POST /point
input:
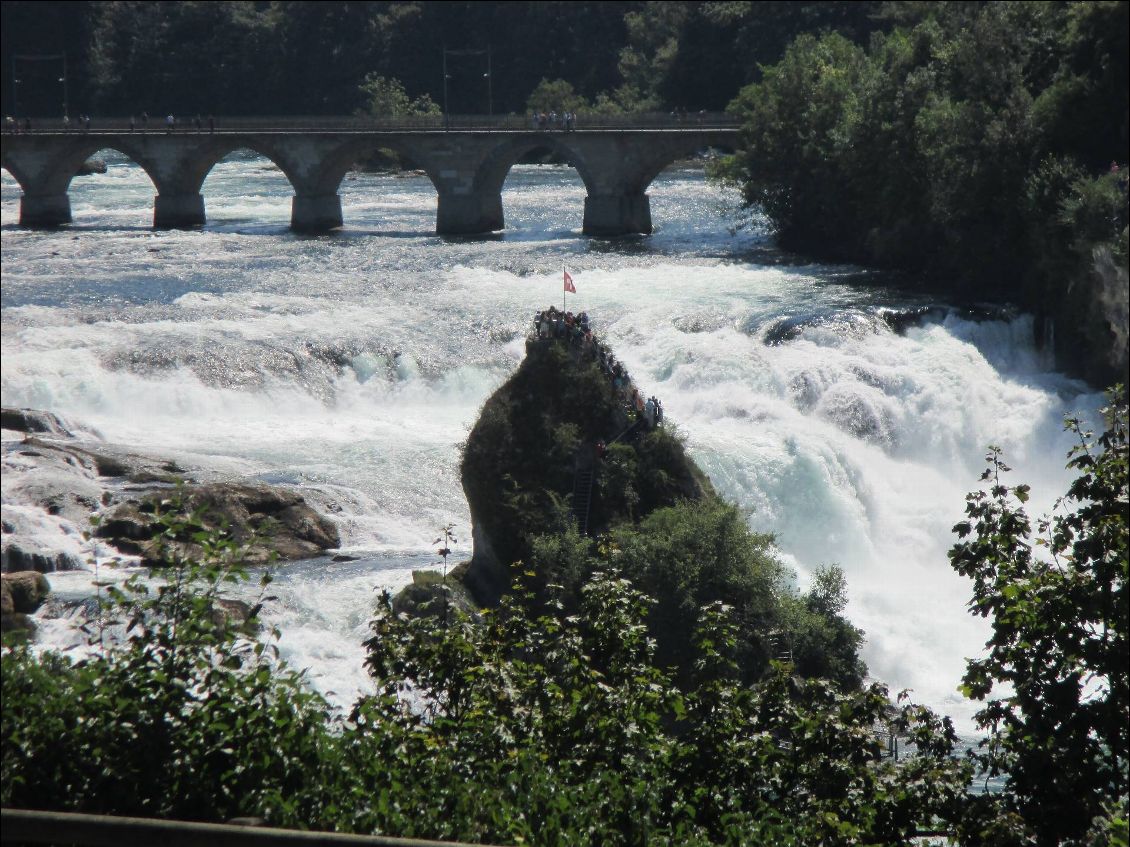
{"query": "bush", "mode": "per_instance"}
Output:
(1060, 645)
(542, 727)
(183, 718)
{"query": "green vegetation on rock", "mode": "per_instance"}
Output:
(521, 458)
(653, 517)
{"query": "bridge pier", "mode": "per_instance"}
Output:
(44, 210)
(617, 214)
(178, 211)
(469, 214)
(315, 212)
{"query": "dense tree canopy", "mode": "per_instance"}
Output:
(973, 143)
(311, 57)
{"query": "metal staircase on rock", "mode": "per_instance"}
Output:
(582, 496)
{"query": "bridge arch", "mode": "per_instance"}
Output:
(245, 188)
(210, 153)
(669, 153)
(45, 200)
(21, 176)
(65, 165)
(341, 160)
(317, 203)
(492, 172)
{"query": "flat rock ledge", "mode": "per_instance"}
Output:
(54, 481)
(271, 522)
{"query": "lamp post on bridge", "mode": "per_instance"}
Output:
(488, 76)
(17, 81)
(15, 90)
(63, 79)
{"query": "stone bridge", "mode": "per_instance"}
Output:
(466, 165)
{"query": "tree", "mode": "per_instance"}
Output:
(1058, 657)
(555, 96)
(386, 98)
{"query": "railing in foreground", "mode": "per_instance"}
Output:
(21, 826)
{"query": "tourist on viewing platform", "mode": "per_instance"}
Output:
(145, 120)
(198, 122)
(131, 123)
(86, 123)
(211, 124)
(66, 122)
(170, 123)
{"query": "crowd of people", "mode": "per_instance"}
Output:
(566, 121)
(575, 331)
(14, 126)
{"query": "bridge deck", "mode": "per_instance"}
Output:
(420, 123)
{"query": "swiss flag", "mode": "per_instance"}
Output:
(572, 289)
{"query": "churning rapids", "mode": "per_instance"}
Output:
(353, 365)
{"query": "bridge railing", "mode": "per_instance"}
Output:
(360, 123)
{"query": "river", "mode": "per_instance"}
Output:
(354, 364)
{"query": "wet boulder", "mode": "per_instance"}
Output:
(20, 556)
(91, 166)
(235, 614)
(32, 420)
(26, 590)
(430, 595)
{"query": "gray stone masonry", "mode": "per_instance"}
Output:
(467, 169)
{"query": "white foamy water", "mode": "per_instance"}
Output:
(353, 365)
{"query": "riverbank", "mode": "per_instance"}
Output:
(953, 148)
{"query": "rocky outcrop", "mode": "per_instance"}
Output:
(32, 420)
(526, 459)
(91, 166)
(271, 521)
(430, 595)
(55, 481)
(27, 590)
(21, 594)
(14, 558)
(235, 614)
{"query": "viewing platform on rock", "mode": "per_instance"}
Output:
(466, 157)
